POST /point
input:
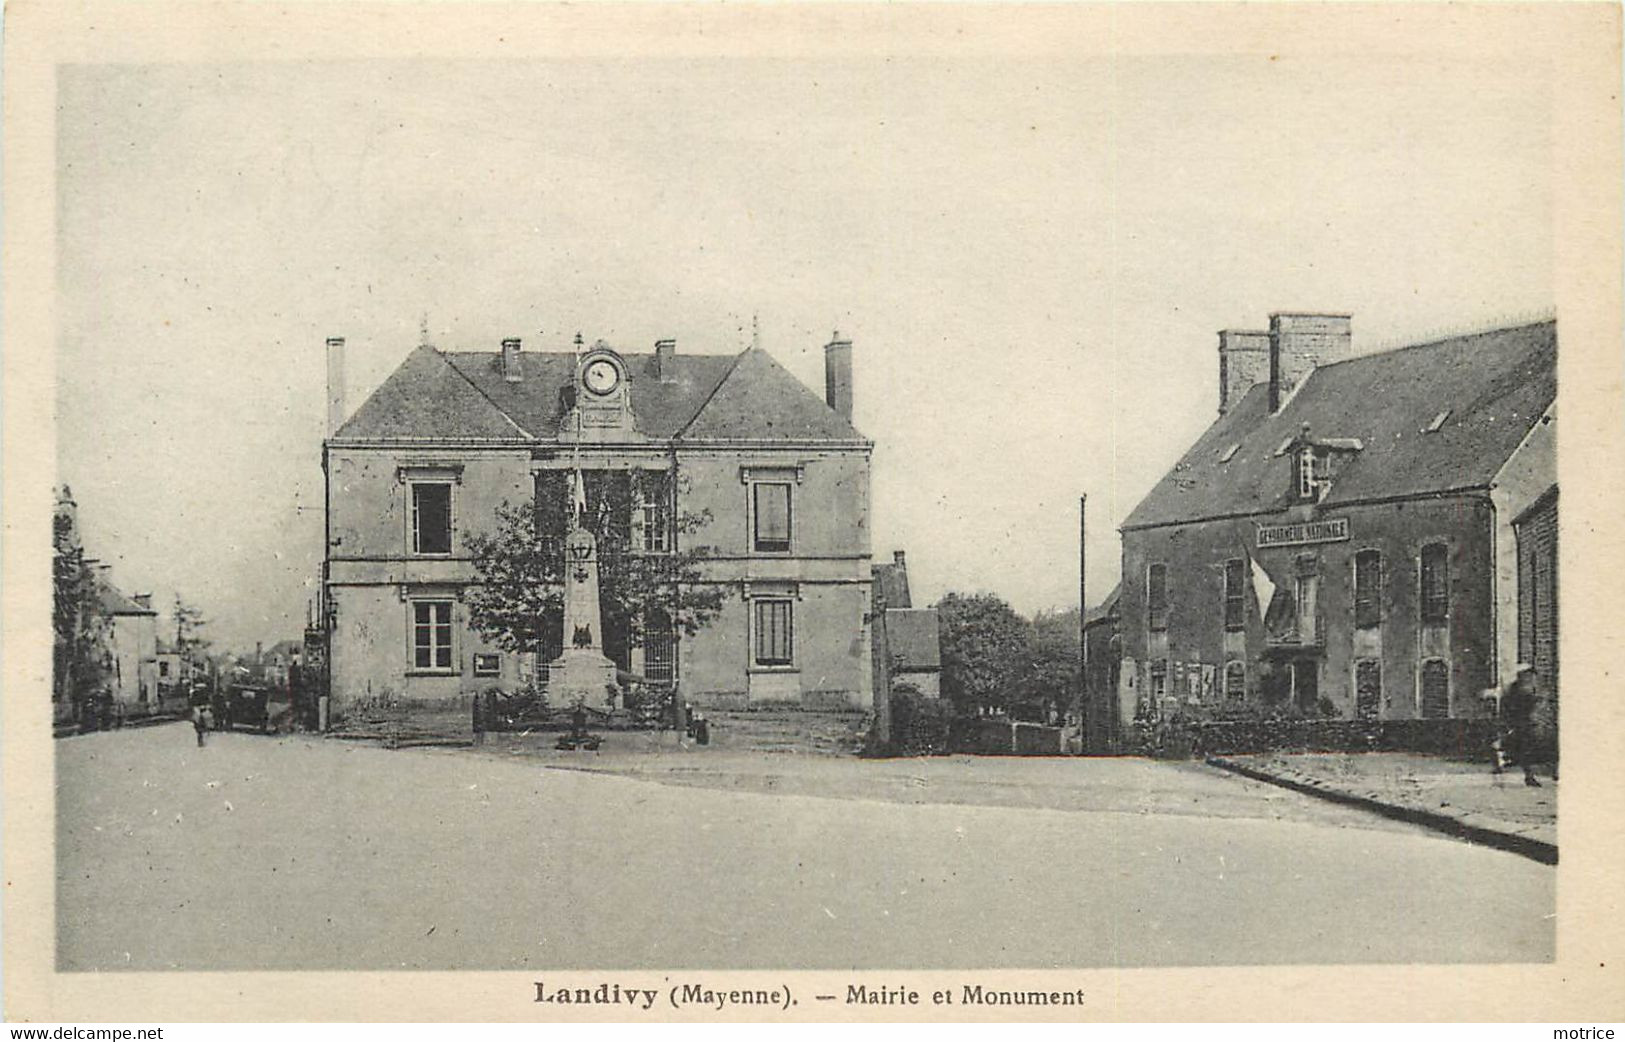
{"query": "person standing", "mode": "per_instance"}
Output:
(1518, 723)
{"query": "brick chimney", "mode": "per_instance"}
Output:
(512, 370)
(838, 374)
(1300, 341)
(335, 384)
(665, 361)
(1244, 360)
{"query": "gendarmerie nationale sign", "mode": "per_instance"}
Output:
(1327, 530)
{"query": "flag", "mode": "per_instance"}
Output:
(1262, 587)
(578, 498)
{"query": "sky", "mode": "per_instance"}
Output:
(1031, 257)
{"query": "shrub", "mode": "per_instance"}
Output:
(919, 725)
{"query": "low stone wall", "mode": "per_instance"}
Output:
(994, 737)
(1464, 739)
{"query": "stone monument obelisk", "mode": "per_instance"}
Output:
(582, 676)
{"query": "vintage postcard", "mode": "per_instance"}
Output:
(812, 512)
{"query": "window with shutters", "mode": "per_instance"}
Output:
(1435, 582)
(1235, 595)
(1368, 589)
(775, 632)
(431, 517)
(770, 509)
(431, 635)
(1156, 597)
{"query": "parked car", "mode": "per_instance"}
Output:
(247, 707)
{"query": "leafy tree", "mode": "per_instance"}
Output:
(1047, 680)
(984, 644)
(517, 602)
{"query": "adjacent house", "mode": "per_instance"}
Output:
(780, 473)
(907, 645)
(133, 645)
(1355, 537)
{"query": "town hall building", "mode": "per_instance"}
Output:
(777, 477)
(1356, 537)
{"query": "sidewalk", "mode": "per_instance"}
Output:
(1461, 799)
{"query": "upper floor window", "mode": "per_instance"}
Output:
(1235, 595)
(1367, 589)
(1435, 582)
(1156, 597)
(431, 517)
(1307, 594)
(656, 534)
(771, 508)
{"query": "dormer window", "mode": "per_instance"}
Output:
(1438, 421)
(1313, 477)
(1225, 456)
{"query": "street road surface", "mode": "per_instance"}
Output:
(298, 853)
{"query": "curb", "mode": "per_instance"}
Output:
(1512, 843)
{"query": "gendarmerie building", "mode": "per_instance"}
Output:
(452, 435)
(1343, 541)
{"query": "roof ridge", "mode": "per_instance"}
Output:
(710, 397)
(477, 390)
(1395, 349)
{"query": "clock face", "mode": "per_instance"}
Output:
(601, 376)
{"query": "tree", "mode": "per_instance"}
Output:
(1047, 680)
(189, 621)
(81, 655)
(652, 588)
(984, 643)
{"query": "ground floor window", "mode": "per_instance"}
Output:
(1367, 689)
(431, 634)
(775, 626)
(1235, 682)
(487, 664)
(1435, 689)
(1159, 679)
(659, 646)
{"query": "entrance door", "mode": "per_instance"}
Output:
(1306, 684)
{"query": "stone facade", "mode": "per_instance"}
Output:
(488, 429)
(1339, 545)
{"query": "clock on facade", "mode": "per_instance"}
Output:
(601, 376)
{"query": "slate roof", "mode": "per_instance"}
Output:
(1106, 609)
(912, 635)
(1496, 386)
(456, 395)
(891, 584)
(114, 601)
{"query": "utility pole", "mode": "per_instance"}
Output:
(1083, 610)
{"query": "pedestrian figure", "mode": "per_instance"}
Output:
(198, 724)
(1517, 741)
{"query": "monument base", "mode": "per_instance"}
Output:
(582, 677)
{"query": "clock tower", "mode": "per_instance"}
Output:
(603, 403)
